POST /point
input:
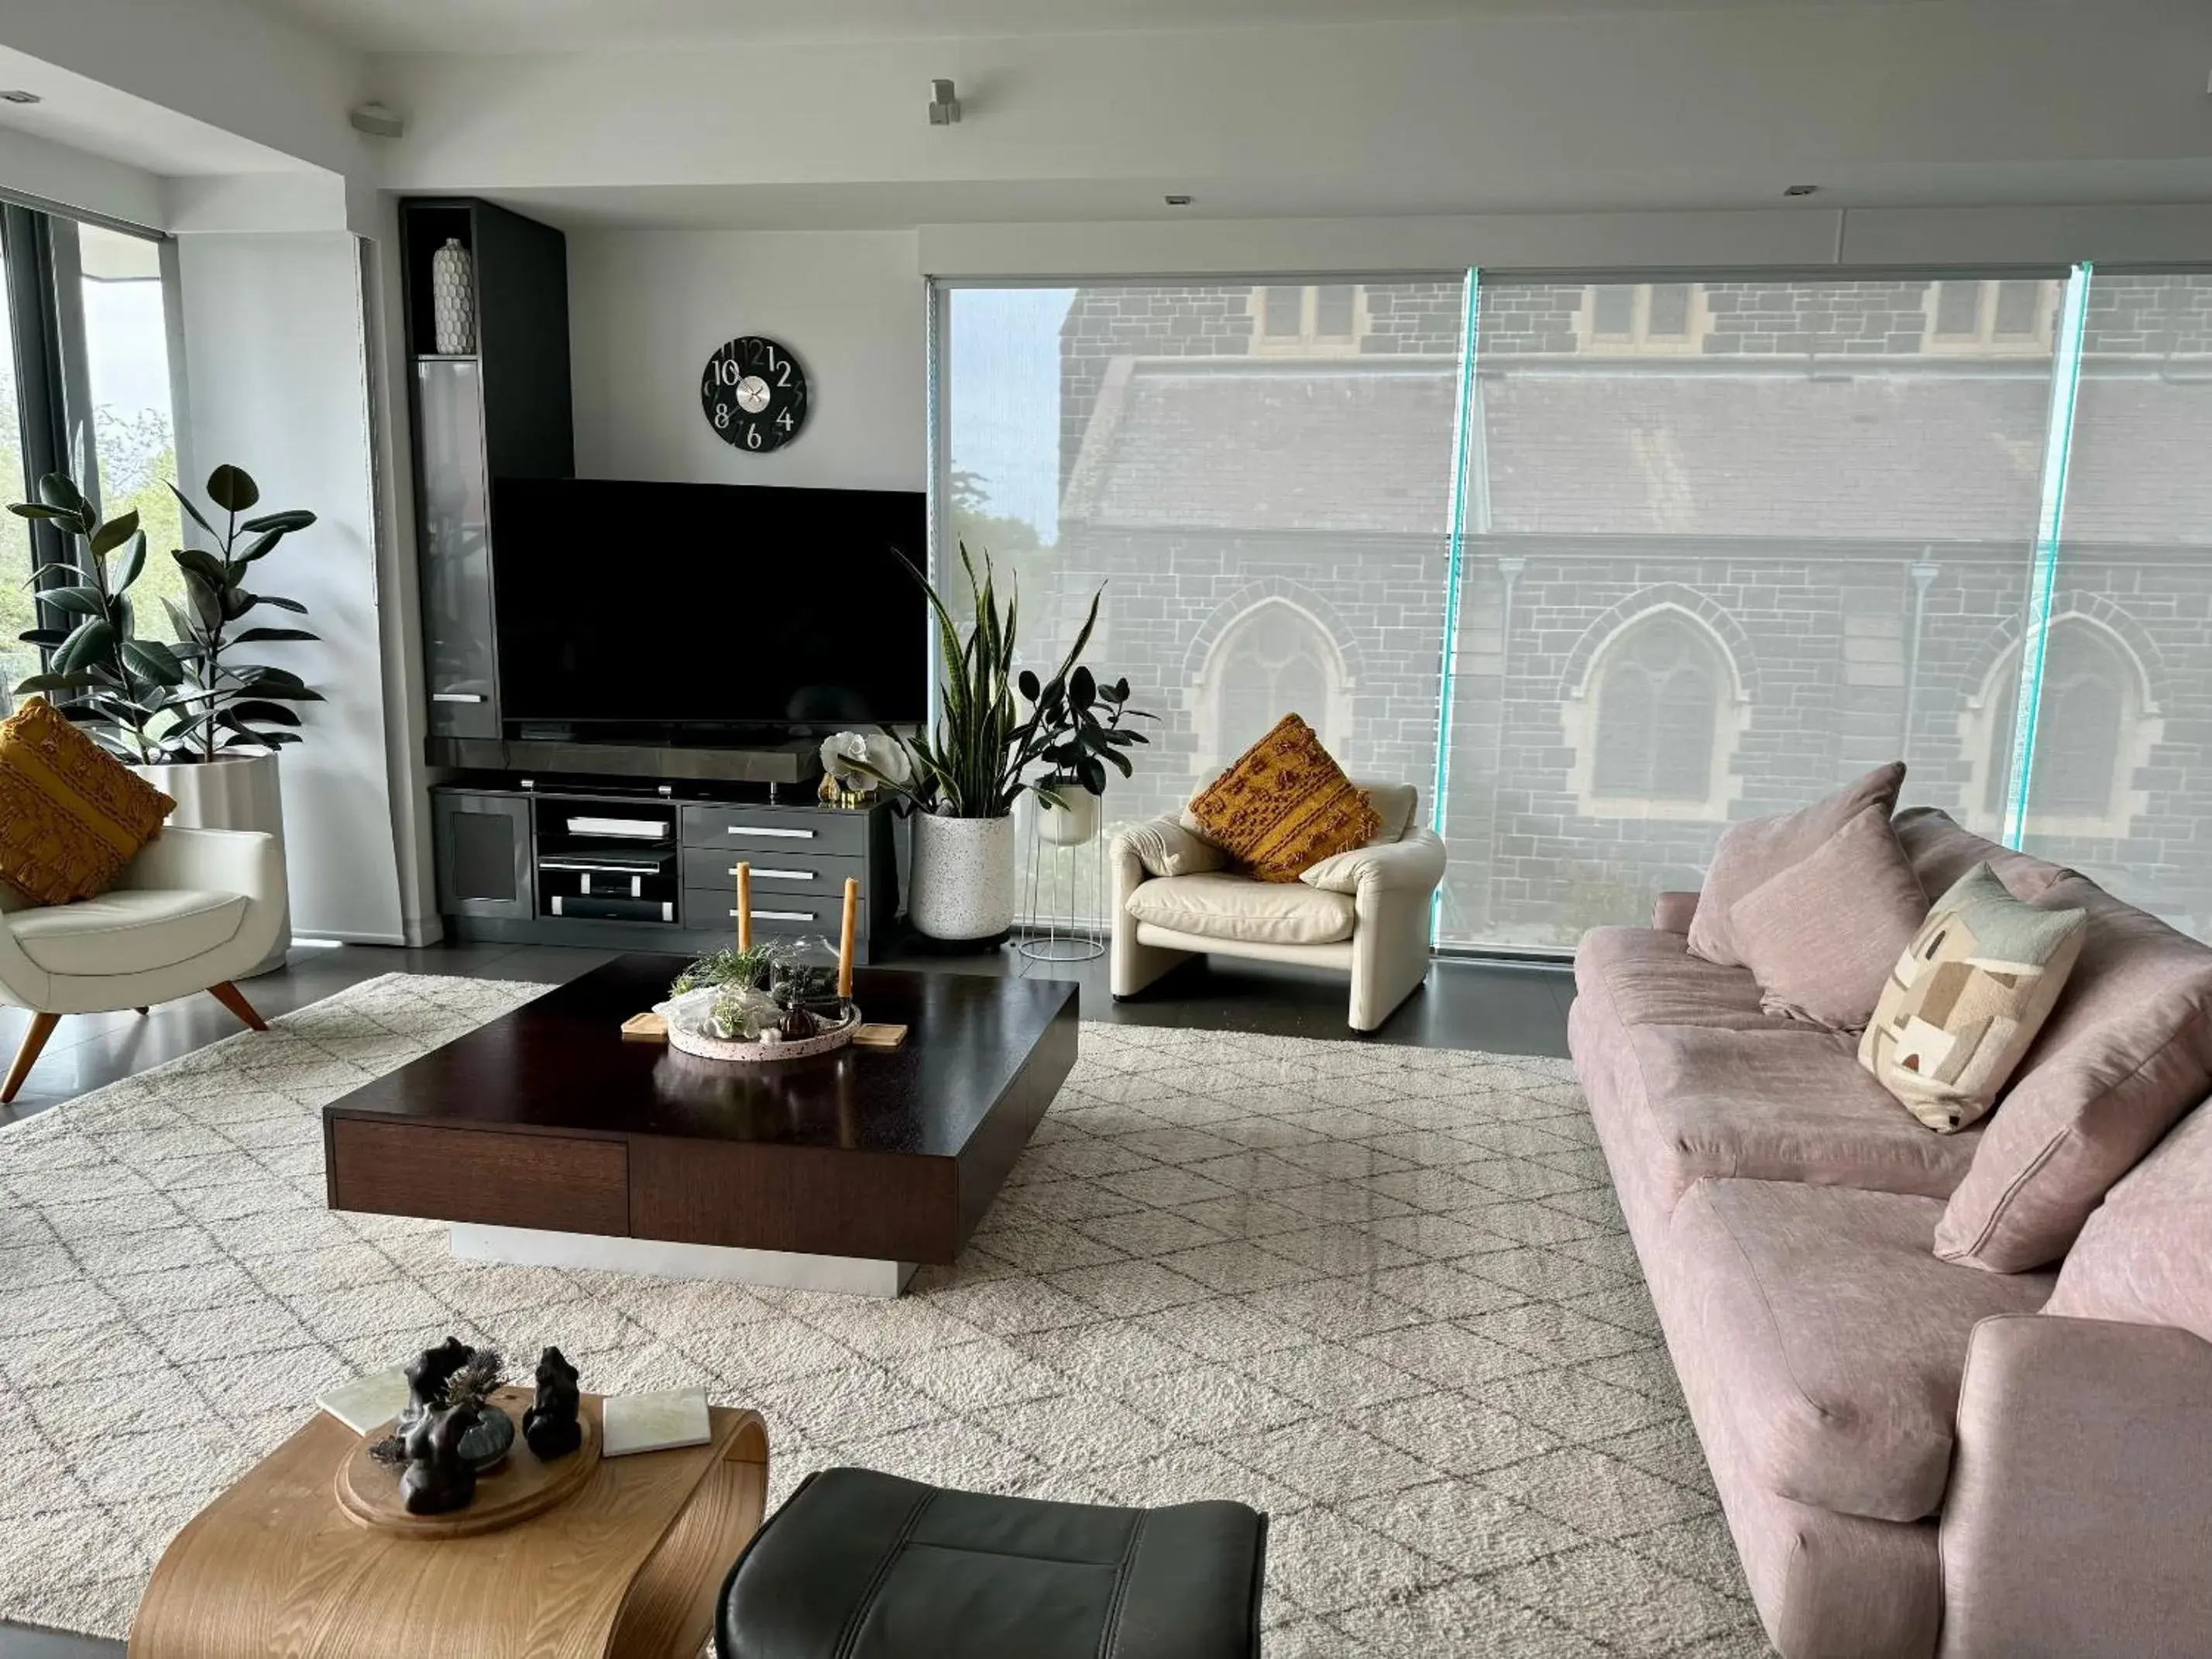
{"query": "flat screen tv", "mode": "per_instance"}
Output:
(708, 606)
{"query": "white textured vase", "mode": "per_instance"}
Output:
(1072, 824)
(237, 792)
(962, 885)
(453, 300)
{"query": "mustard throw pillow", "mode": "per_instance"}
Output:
(71, 815)
(1286, 805)
(1966, 999)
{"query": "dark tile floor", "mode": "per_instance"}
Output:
(1505, 1007)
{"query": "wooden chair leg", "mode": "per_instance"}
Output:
(27, 1053)
(232, 998)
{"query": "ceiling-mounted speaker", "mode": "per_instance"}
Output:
(376, 120)
(943, 106)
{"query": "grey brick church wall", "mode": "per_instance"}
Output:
(1844, 662)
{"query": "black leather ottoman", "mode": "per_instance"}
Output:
(863, 1565)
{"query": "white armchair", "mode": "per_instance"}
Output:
(1366, 911)
(192, 910)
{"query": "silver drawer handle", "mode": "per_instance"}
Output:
(778, 915)
(458, 696)
(762, 829)
(599, 869)
(780, 875)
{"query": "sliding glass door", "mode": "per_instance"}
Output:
(1704, 548)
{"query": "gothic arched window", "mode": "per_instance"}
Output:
(1273, 659)
(2084, 726)
(1661, 687)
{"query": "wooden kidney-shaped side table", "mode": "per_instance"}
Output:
(628, 1567)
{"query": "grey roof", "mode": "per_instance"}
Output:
(1935, 452)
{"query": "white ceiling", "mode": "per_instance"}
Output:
(86, 115)
(537, 26)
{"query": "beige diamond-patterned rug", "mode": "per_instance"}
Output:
(1382, 1293)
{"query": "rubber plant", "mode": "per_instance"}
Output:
(226, 705)
(976, 761)
(125, 688)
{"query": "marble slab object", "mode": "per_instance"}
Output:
(655, 1422)
(367, 1402)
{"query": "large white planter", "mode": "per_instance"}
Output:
(962, 885)
(1072, 824)
(238, 792)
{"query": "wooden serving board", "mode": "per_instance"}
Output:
(517, 1487)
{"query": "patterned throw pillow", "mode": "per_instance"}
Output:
(71, 815)
(1286, 805)
(1966, 999)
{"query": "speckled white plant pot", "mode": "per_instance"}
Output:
(962, 885)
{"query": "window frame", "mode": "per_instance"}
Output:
(1308, 341)
(1986, 341)
(1639, 341)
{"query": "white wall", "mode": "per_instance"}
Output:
(277, 372)
(646, 308)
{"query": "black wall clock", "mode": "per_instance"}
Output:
(754, 394)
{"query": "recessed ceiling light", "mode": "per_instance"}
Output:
(1800, 190)
(17, 96)
(1176, 201)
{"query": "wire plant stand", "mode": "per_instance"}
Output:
(1057, 924)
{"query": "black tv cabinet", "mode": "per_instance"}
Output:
(593, 862)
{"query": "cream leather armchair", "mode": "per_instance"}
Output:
(1365, 912)
(195, 908)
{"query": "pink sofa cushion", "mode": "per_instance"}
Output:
(2145, 1255)
(1845, 1338)
(1757, 850)
(1786, 1105)
(1821, 937)
(2126, 1051)
(1941, 852)
(1649, 980)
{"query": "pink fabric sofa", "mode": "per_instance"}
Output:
(1919, 1456)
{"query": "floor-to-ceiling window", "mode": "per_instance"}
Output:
(85, 389)
(2120, 783)
(1713, 546)
(1259, 475)
(126, 377)
(1730, 543)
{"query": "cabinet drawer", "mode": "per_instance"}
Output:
(786, 873)
(714, 908)
(757, 830)
(501, 1179)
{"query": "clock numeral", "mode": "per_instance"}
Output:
(784, 378)
(721, 417)
(753, 437)
(784, 420)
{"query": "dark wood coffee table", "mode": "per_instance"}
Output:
(546, 1137)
